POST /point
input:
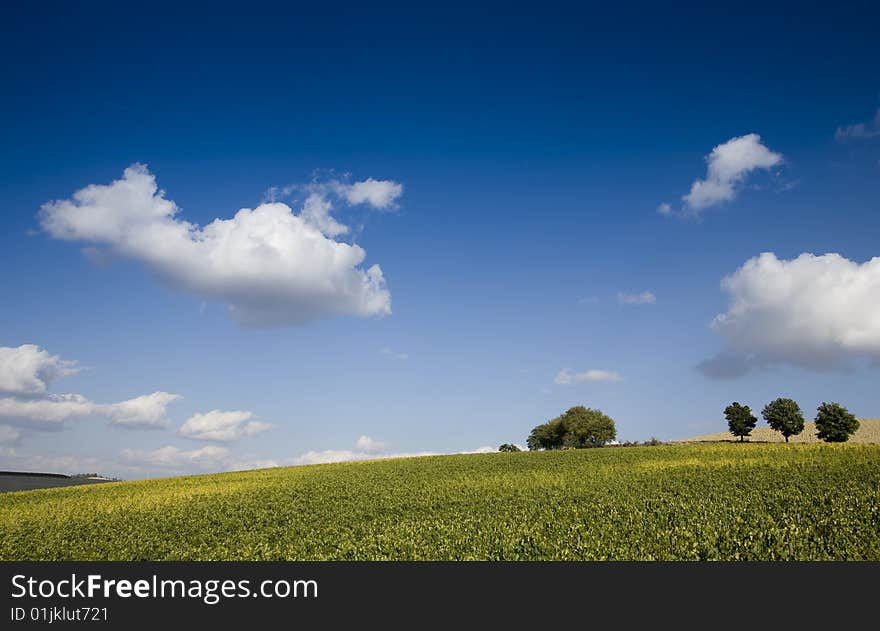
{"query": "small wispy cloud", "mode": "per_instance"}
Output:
(391, 354)
(643, 298)
(566, 378)
(588, 300)
(728, 166)
(859, 131)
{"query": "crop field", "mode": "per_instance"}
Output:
(717, 501)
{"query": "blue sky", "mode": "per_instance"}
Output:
(533, 147)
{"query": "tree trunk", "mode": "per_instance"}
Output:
(741, 438)
(786, 439)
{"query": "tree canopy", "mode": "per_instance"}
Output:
(740, 420)
(577, 428)
(784, 416)
(834, 423)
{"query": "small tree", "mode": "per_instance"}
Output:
(834, 423)
(740, 420)
(784, 416)
(508, 447)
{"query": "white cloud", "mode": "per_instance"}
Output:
(387, 352)
(344, 455)
(29, 369)
(565, 377)
(377, 193)
(369, 445)
(222, 426)
(485, 449)
(26, 372)
(812, 311)
(145, 412)
(316, 212)
(270, 265)
(859, 131)
(664, 209)
(365, 448)
(728, 165)
(643, 298)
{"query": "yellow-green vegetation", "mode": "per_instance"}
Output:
(721, 501)
(868, 432)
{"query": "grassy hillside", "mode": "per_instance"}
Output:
(722, 501)
(868, 432)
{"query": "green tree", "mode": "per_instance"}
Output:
(508, 447)
(578, 427)
(740, 420)
(548, 435)
(834, 423)
(784, 416)
(586, 427)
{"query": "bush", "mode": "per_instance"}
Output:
(508, 447)
(834, 423)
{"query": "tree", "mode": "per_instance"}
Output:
(784, 416)
(577, 428)
(740, 420)
(585, 427)
(835, 423)
(548, 435)
(508, 447)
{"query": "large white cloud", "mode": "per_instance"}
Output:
(566, 378)
(270, 265)
(222, 426)
(728, 165)
(144, 412)
(813, 311)
(29, 369)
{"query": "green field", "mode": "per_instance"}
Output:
(722, 501)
